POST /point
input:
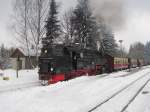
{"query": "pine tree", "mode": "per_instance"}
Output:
(52, 25)
(108, 45)
(137, 50)
(107, 41)
(2, 51)
(84, 25)
(147, 52)
(4, 56)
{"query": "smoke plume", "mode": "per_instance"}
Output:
(110, 12)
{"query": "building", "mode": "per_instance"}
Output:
(21, 59)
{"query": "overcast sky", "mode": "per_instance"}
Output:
(137, 22)
(5, 12)
(136, 27)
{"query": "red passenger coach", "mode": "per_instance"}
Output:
(115, 63)
(120, 63)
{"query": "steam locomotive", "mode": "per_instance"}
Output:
(59, 63)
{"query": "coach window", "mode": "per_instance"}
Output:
(115, 61)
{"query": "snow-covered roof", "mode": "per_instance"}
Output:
(23, 52)
(31, 52)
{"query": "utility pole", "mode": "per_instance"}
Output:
(120, 41)
(18, 65)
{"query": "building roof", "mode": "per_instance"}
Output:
(31, 52)
(23, 53)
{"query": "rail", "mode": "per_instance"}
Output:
(121, 90)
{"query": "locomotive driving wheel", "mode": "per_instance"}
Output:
(44, 82)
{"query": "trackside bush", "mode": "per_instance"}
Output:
(5, 78)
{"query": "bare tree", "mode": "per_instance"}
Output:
(36, 22)
(20, 21)
(29, 19)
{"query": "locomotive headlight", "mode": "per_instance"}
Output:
(45, 51)
(52, 69)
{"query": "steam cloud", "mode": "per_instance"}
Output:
(110, 12)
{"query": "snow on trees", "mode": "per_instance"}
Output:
(5, 56)
(136, 50)
(84, 25)
(28, 23)
(147, 51)
(79, 26)
(89, 32)
(106, 40)
(53, 28)
(67, 27)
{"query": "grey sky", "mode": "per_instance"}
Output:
(136, 28)
(137, 22)
(5, 12)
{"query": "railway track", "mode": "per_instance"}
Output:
(133, 98)
(19, 86)
(120, 91)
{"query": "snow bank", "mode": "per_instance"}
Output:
(76, 95)
(24, 76)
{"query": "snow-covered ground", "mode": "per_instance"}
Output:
(118, 103)
(142, 102)
(76, 95)
(24, 77)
